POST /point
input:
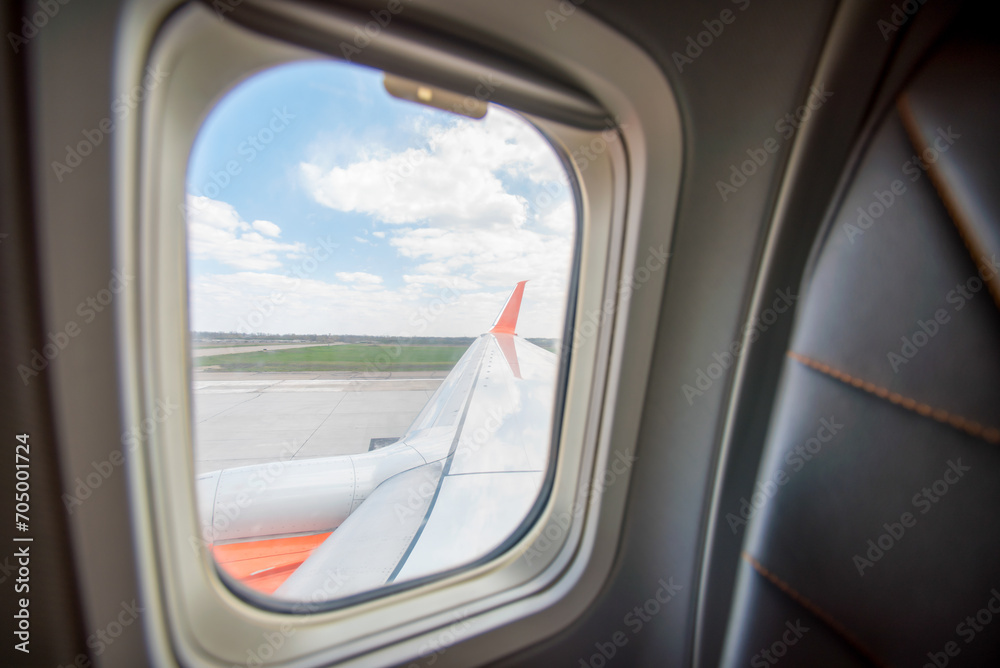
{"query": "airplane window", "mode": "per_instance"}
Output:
(378, 287)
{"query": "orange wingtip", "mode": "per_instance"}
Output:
(506, 322)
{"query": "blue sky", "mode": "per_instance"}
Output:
(317, 203)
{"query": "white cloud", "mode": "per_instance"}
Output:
(380, 234)
(359, 278)
(440, 281)
(265, 302)
(267, 228)
(217, 232)
(496, 257)
(454, 181)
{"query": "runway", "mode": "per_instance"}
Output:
(235, 350)
(254, 418)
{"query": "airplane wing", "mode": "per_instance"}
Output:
(454, 487)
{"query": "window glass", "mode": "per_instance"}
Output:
(377, 293)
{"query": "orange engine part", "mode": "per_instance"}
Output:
(263, 565)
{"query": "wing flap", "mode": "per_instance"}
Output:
(365, 551)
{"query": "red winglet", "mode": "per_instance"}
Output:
(506, 322)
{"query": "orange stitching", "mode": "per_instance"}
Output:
(971, 427)
(912, 129)
(814, 609)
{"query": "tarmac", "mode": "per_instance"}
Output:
(255, 418)
(236, 350)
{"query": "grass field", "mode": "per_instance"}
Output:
(349, 357)
(200, 346)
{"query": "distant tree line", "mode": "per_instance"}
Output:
(261, 338)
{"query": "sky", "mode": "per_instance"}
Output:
(319, 204)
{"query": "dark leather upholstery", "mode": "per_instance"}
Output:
(887, 423)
